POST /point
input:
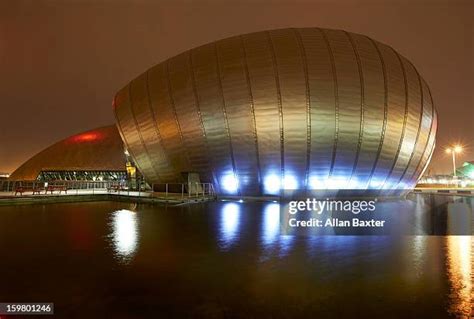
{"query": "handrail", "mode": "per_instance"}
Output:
(175, 190)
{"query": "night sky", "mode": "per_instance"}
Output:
(61, 62)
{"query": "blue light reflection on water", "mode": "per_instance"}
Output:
(252, 230)
(177, 257)
(229, 224)
(271, 223)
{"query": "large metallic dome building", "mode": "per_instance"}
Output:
(290, 108)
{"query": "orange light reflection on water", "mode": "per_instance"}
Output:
(459, 268)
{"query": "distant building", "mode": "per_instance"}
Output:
(466, 170)
(437, 180)
(464, 177)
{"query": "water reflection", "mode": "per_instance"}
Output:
(418, 255)
(286, 243)
(125, 234)
(230, 220)
(259, 271)
(459, 218)
(271, 233)
(271, 223)
(459, 267)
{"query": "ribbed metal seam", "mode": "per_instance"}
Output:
(336, 101)
(155, 123)
(175, 115)
(362, 103)
(435, 114)
(196, 99)
(252, 109)
(308, 105)
(426, 145)
(122, 135)
(437, 123)
(139, 130)
(280, 106)
(419, 126)
(427, 161)
(433, 117)
(405, 119)
(198, 109)
(226, 120)
(385, 109)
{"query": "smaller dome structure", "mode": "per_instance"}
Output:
(98, 152)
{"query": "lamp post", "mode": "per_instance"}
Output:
(453, 150)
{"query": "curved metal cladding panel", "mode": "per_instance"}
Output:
(290, 108)
(267, 108)
(214, 116)
(100, 149)
(374, 109)
(323, 104)
(162, 105)
(423, 132)
(132, 136)
(148, 129)
(240, 114)
(430, 144)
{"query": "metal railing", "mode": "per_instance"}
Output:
(184, 190)
(162, 190)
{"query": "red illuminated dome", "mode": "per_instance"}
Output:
(98, 150)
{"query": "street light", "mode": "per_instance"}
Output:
(453, 150)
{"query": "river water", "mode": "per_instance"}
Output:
(222, 260)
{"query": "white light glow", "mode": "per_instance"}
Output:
(271, 184)
(375, 184)
(355, 184)
(389, 184)
(457, 149)
(337, 183)
(403, 185)
(315, 183)
(230, 183)
(125, 233)
(290, 182)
